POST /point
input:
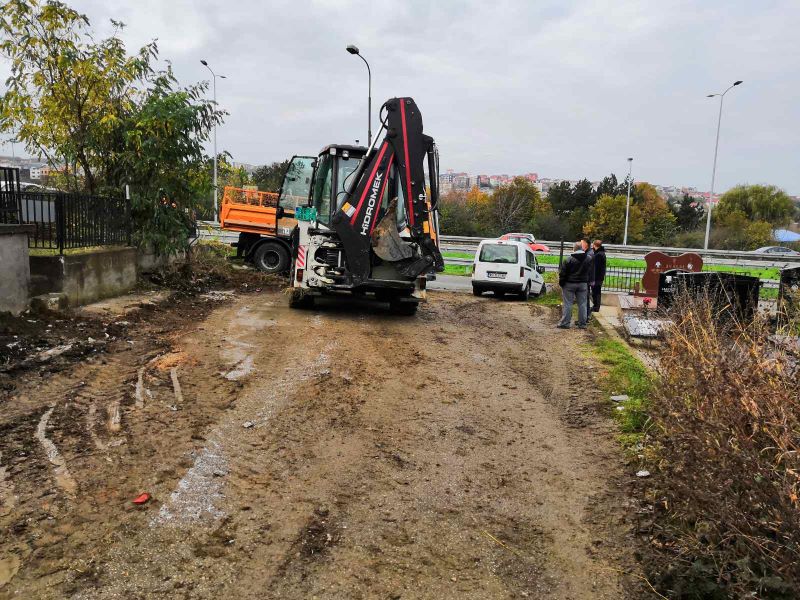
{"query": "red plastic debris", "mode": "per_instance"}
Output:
(141, 499)
(647, 301)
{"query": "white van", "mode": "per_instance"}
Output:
(505, 266)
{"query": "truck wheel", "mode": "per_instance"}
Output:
(476, 291)
(271, 257)
(298, 299)
(406, 309)
(526, 292)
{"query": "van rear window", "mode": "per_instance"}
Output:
(498, 253)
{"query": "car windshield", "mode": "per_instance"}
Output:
(498, 253)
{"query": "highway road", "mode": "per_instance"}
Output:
(451, 283)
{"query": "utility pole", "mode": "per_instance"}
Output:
(628, 203)
(354, 50)
(214, 76)
(714, 168)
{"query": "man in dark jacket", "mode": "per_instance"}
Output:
(574, 281)
(598, 274)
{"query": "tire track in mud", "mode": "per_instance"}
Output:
(353, 454)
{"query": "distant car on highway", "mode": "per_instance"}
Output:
(777, 250)
(507, 267)
(526, 238)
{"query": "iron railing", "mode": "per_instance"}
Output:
(622, 279)
(9, 196)
(65, 221)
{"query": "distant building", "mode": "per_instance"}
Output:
(39, 172)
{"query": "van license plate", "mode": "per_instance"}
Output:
(495, 275)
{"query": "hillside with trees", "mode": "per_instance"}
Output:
(744, 219)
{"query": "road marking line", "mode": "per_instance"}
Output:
(62, 475)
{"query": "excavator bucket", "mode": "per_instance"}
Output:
(386, 242)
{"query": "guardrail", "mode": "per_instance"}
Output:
(208, 230)
(467, 244)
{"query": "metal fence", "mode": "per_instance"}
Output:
(66, 221)
(622, 279)
(9, 196)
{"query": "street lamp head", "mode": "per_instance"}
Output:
(352, 49)
(222, 76)
(712, 95)
(736, 82)
(204, 63)
(630, 159)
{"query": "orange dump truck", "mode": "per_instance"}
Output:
(265, 221)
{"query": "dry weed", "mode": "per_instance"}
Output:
(727, 433)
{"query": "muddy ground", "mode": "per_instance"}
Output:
(340, 452)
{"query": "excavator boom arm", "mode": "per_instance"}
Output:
(404, 147)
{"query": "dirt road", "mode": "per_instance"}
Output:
(335, 453)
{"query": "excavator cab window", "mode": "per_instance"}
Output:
(296, 183)
(321, 199)
(333, 171)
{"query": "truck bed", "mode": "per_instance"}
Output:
(249, 211)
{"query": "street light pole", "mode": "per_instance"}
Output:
(628, 202)
(354, 50)
(214, 77)
(714, 168)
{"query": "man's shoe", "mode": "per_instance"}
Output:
(562, 326)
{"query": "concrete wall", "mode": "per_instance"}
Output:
(149, 261)
(85, 278)
(14, 268)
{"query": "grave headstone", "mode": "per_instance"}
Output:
(658, 263)
(732, 295)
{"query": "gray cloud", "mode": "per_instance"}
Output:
(564, 89)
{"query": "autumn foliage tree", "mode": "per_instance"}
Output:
(607, 220)
(107, 117)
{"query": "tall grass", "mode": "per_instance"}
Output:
(727, 433)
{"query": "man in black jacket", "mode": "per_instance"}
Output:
(574, 281)
(598, 274)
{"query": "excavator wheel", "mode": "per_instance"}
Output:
(271, 257)
(298, 299)
(406, 309)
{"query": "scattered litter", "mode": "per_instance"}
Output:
(53, 352)
(248, 424)
(142, 498)
(140, 391)
(176, 385)
(172, 407)
(620, 398)
(620, 408)
(643, 473)
(90, 340)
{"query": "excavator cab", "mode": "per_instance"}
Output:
(335, 168)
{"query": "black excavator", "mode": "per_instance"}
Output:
(371, 227)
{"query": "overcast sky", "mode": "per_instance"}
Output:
(565, 89)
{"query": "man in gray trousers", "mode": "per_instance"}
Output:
(574, 281)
